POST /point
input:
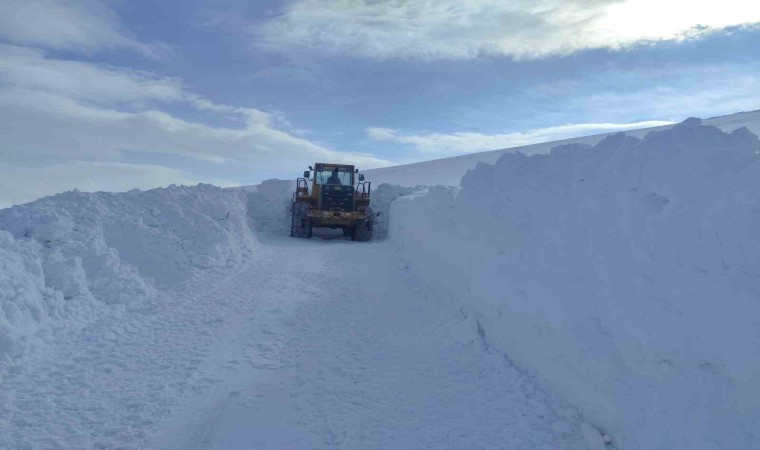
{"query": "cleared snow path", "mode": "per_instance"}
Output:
(352, 356)
(315, 344)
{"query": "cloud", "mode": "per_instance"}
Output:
(84, 25)
(455, 29)
(441, 145)
(28, 69)
(50, 126)
(669, 91)
(59, 113)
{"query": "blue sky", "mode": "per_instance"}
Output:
(119, 94)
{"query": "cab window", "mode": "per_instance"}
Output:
(334, 175)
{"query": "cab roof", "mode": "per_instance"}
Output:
(334, 165)
(344, 166)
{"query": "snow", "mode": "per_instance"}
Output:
(305, 346)
(66, 258)
(24, 298)
(360, 365)
(625, 276)
(381, 199)
(449, 171)
(269, 206)
(588, 296)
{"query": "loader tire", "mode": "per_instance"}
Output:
(363, 230)
(300, 224)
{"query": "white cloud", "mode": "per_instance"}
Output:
(440, 145)
(44, 125)
(455, 29)
(85, 25)
(711, 100)
(669, 91)
(60, 113)
(28, 69)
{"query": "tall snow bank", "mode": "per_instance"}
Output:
(68, 256)
(381, 199)
(269, 206)
(626, 275)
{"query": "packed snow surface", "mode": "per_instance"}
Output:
(327, 354)
(593, 296)
(625, 275)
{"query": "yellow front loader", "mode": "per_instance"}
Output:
(332, 196)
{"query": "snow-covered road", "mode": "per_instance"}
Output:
(352, 356)
(315, 344)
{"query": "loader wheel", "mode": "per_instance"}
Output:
(300, 225)
(363, 230)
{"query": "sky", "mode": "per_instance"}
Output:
(118, 94)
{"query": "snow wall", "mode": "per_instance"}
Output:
(67, 259)
(625, 275)
(381, 199)
(269, 206)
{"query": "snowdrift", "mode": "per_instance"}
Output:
(66, 259)
(626, 275)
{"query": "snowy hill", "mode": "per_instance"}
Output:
(449, 171)
(600, 294)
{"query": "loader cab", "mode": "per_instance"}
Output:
(334, 174)
(334, 187)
